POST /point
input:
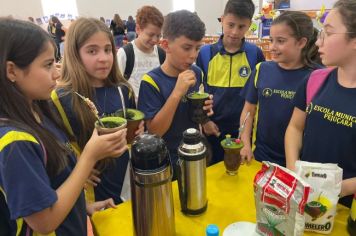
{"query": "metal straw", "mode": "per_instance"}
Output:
(122, 101)
(242, 127)
(96, 115)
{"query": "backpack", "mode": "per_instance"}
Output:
(316, 80)
(130, 58)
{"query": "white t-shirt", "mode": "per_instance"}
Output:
(144, 62)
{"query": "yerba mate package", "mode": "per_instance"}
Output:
(280, 198)
(325, 181)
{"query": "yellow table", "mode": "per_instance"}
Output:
(231, 199)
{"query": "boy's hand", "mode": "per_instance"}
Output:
(185, 80)
(210, 128)
(208, 105)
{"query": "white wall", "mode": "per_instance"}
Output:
(209, 14)
(124, 8)
(21, 9)
(208, 11)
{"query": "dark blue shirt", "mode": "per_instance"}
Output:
(330, 128)
(107, 100)
(131, 26)
(25, 182)
(272, 89)
(155, 89)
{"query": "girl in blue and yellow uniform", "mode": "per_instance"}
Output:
(90, 68)
(41, 181)
(325, 130)
(272, 86)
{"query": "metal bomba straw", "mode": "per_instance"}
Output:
(92, 108)
(242, 127)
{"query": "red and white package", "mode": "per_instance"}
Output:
(280, 198)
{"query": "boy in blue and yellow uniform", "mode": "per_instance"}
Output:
(163, 90)
(227, 65)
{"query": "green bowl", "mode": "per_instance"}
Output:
(197, 95)
(131, 114)
(233, 145)
(111, 123)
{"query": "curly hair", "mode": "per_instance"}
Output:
(183, 23)
(149, 15)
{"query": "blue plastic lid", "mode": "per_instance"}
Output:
(212, 230)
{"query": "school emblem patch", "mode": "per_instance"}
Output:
(267, 92)
(244, 71)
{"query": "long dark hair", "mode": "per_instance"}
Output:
(302, 27)
(21, 43)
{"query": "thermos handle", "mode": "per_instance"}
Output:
(182, 191)
(144, 185)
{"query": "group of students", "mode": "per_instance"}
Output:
(121, 28)
(50, 150)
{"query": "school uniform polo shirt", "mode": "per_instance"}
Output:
(27, 188)
(155, 89)
(272, 89)
(330, 127)
(107, 101)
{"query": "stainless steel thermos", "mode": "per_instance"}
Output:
(192, 173)
(151, 187)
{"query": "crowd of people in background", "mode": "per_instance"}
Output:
(48, 133)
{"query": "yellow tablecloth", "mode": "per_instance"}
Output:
(230, 199)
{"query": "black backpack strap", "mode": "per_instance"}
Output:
(130, 60)
(161, 55)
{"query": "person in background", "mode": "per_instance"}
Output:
(131, 29)
(51, 29)
(102, 19)
(142, 54)
(117, 27)
(227, 65)
(163, 89)
(273, 85)
(89, 69)
(324, 130)
(41, 180)
(60, 34)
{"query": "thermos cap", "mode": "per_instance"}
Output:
(191, 136)
(212, 230)
(149, 152)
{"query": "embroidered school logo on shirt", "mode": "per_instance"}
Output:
(267, 92)
(244, 71)
(284, 94)
(334, 116)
